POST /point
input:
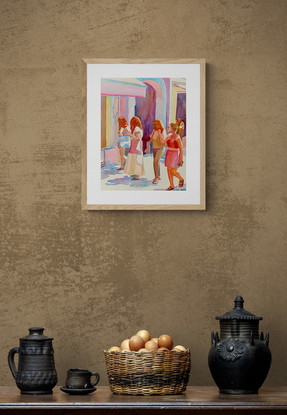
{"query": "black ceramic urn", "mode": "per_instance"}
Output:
(239, 361)
(36, 374)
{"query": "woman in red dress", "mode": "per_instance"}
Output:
(174, 155)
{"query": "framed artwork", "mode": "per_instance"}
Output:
(144, 134)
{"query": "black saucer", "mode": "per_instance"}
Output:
(77, 391)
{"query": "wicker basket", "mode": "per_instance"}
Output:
(148, 373)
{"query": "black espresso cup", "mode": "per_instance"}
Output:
(81, 379)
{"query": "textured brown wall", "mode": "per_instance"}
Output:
(94, 278)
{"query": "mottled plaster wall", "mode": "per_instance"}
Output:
(94, 278)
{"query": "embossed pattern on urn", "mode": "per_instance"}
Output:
(239, 360)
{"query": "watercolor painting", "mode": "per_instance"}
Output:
(143, 134)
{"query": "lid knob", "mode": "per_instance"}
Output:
(36, 334)
(238, 302)
(35, 331)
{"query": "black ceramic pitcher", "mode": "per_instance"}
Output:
(36, 374)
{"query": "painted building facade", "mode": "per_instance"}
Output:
(147, 98)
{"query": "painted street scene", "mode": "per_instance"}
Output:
(143, 134)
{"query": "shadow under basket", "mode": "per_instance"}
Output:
(148, 373)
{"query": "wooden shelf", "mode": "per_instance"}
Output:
(196, 400)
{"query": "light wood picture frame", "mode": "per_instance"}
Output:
(143, 134)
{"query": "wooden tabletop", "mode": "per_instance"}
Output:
(195, 400)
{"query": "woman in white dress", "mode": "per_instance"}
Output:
(134, 164)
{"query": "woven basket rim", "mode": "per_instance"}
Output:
(149, 351)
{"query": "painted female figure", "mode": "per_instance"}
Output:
(180, 125)
(123, 139)
(174, 155)
(157, 138)
(134, 164)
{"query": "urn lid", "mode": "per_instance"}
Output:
(238, 313)
(36, 334)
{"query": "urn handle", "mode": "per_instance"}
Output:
(11, 361)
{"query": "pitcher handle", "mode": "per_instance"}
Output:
(97, 378)
(11, 361)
